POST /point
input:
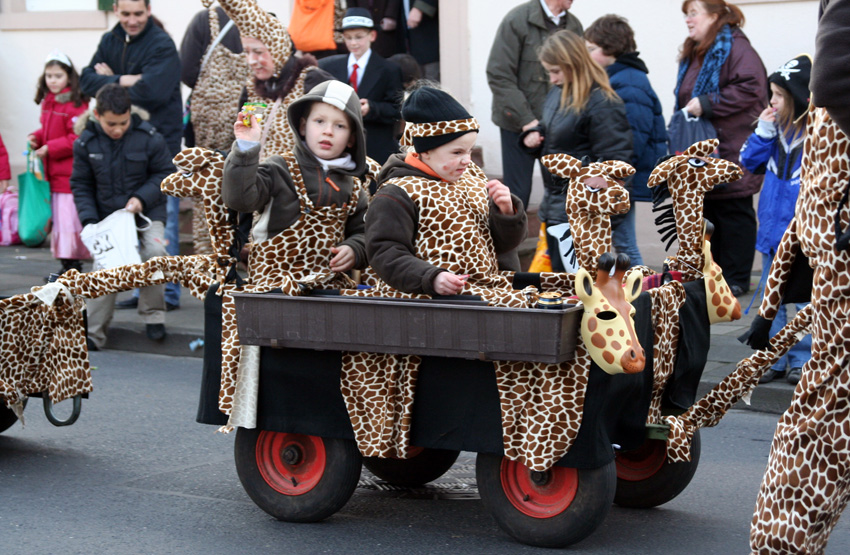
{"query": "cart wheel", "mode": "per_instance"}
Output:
(555, 508)
(296, 478)
(7, 418)
(422, 466)
(645, 478)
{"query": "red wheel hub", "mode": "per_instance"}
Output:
(291, 464)
(643, 462)
(538, 494)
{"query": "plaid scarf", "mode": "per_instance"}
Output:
(708, 79)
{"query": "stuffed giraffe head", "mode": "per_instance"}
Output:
(594, 194)
(608, 326)
(199, 174)
(689, 176)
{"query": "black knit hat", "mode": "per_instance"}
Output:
(430, 105)
(793, 76)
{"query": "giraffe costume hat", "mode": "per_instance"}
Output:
(594, 194)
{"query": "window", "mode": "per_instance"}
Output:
(25, 15)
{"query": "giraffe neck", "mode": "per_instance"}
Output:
(688, 207)
(592, 237)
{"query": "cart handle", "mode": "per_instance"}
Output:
(48, 410)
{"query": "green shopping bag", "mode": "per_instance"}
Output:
(33, 203)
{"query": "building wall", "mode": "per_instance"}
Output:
(778, 29)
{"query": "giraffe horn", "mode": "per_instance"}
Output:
(619, 169)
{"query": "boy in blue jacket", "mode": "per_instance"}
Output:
(776, 149)
(611, 43)
(119, 162)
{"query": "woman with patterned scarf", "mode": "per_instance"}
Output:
(722, 78)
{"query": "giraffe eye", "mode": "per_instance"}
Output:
(696, 162)
(188, 174)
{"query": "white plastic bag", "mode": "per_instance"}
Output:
(113, 241)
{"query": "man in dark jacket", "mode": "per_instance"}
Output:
(519, 83)
(119, 162)
(139, 55)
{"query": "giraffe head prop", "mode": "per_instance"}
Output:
(608, 326)
(199, 174)
(254, 21)
(689, 176)
(594, 194)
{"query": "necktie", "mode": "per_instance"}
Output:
(353, 79)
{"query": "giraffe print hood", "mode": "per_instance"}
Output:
(342, 97)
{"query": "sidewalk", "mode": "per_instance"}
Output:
(22, 268)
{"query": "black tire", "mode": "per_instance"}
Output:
(7, 418)
(424, 467)
(556, 508)
(296, 478)
(645, 478)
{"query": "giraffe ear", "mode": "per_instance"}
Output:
(634, 285)
(618, 169)
(702, 148)
(584, 285)
(662, 171)
(561, 165)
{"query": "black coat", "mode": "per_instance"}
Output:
(381, 86)
(424, 39)
(107, 173)
(600, 131)
(152, 54)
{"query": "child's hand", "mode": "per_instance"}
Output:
(31, 140)
(245, 132)
(133, 205)
(364, 107)
(4, 184)
(447, 283)
(533, 139)
(41, 152)
(501, 196)
(768, 114)
(343, 260)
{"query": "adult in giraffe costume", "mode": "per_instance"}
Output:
(279, 76)
(214, 67)
(806, 487)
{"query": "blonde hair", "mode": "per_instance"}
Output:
(568, 51)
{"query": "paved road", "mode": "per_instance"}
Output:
(136, 474)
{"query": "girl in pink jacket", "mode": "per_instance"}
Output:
(62, 103)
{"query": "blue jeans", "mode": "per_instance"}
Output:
(802, 351)
(172, 237)
(623, 236)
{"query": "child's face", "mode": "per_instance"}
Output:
(777, 99)
(598, 55)
(259, 58)
(114, 125)
(56, 78)
(556, 75)
(451, 159)
(326, 131)
(358, 41)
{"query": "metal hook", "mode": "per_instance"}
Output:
(48, 410)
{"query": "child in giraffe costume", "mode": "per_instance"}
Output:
(311, 205)
(279, 76)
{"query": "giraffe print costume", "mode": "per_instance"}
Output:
(805, 487)
(298, 256)
(215, 102)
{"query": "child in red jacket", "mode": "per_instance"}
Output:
(62, 103)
